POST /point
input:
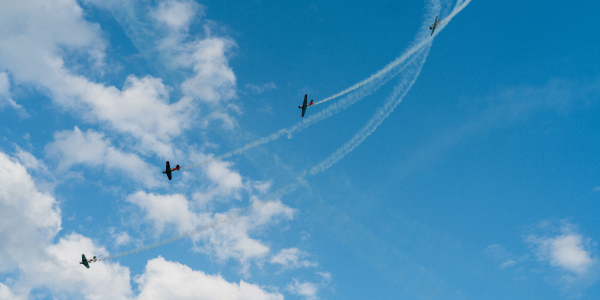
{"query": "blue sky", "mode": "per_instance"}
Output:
(466, 169)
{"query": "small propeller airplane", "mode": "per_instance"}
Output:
(87, 262)
(435, 25)
(169, 170)
(305, 105)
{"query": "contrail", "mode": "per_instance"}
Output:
(415, 66)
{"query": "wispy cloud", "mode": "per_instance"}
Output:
(292, 258)
(259, 89)
(306, 289)
(505, 258)
(5, 97)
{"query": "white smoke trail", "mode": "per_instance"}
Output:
(460, 5)
(382, 113)
(367, 87)
(406, 83)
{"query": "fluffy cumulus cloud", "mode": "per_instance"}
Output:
(32, 265)
(170, 280)
(232, 239)
(228, 240)
(91, 148)
(213, 80)
(566, 250)
(222, 183)
(36, 34)
(29, 221)
(176, 16)
(165, 28)
(162, 211)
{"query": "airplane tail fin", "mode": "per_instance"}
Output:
(95, 258)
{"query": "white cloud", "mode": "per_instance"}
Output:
(29, 161)
(326, 276)
(29, 222)
(5, 98)
(122, 239)
(307, 290)
(565, 250)
(91, 148)
(229, 122)
(597, 189)
(166, 210)
(7, 294)
(213, 80)
(36, 34)
(30, 261)
(25, 212)
(508, 263)
(177, 15)
(170, 280)
(259, 89)
(291, 258)
(230, 240)
(141, 110)
(222, 183)
(507, 259)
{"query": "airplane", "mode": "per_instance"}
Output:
(169, 170)
(435, 25)
(86, 262)
(304, 105)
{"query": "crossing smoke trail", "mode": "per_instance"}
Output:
(326, 113)
(407, 81)
(383, 112)
(365, 88)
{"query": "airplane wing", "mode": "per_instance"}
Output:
(168, 170)
(304, 105)
(84, 261)
(435, 24)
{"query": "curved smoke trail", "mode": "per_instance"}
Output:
(367, 89)
(382, 113)
(402, 89)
